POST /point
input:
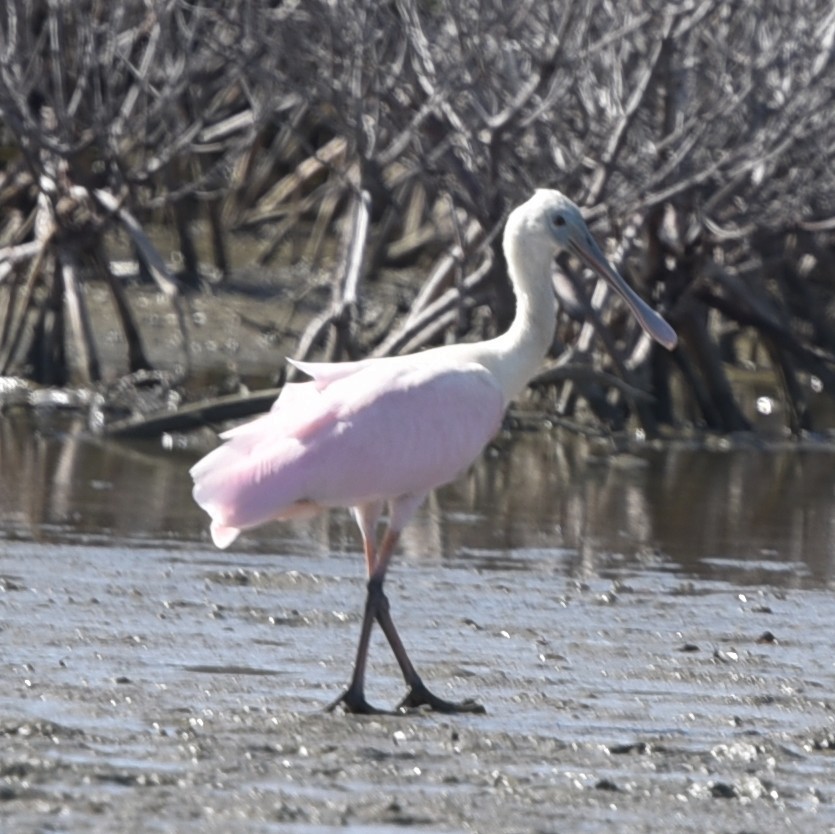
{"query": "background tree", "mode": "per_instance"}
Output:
(697, 134)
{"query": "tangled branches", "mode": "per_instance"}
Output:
(404, 132)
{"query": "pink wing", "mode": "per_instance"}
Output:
(324, 373)
(384, 429)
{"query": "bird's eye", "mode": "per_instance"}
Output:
(558, 220)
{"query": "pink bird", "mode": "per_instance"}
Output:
(382, 433)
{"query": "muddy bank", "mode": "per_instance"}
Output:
(179, 689)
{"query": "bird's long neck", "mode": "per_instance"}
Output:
(515, 356)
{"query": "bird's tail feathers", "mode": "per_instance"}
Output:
(222, 535)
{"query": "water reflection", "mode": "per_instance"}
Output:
(57, 483)
(746, 514)
(753, 511)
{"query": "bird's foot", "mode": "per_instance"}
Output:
(419, 696)
(353, 701)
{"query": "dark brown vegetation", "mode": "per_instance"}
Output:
(699, 134)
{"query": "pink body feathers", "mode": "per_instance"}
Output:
(358, 433)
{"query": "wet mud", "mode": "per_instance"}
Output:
(151, 683)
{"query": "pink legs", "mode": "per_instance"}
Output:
(377, 608)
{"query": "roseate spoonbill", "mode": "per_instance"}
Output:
(384, 432)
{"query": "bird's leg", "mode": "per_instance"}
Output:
(377, 608)
(418, 694)
(367, 516)
(353, 698)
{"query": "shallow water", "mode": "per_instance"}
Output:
(651, 633)
(537, 500)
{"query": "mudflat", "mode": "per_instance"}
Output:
(173, 688)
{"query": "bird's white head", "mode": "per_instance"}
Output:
(551, 222)
(549, 215)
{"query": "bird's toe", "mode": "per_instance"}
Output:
(420, 696)
(353, 702)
